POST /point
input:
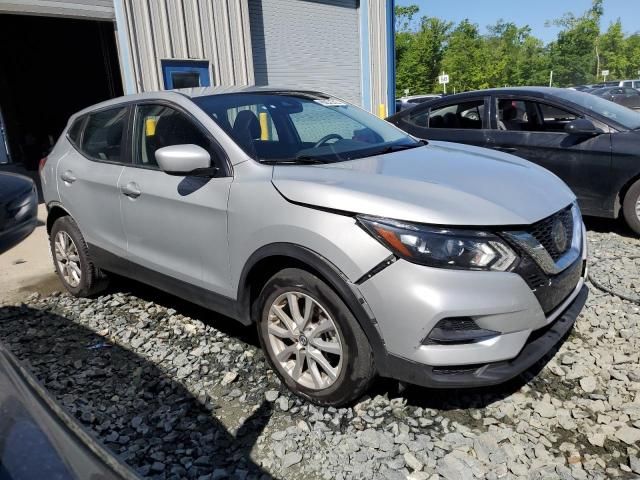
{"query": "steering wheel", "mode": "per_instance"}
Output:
(326, 138)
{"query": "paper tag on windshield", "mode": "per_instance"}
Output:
(330, 102)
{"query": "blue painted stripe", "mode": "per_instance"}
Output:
(365, 59)
(128, 79)
(391, 57)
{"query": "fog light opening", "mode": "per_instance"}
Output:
(458, 330)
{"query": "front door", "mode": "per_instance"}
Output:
(534, 130)
(176, 226)
(88, 177)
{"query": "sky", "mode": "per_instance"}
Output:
(533, 13)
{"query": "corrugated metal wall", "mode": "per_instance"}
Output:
(85, 9)
(214, 30)
(378, 52)
(307, 44)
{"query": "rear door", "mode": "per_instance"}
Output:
(462, 121)
(176, 226)
(88, 177)
(534, 130)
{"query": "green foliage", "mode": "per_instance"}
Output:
(508, 54)
(419, 55)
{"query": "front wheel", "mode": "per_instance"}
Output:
(631, 207)
(312, 340)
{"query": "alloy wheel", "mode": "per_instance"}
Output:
(67, 258)
(305, 340)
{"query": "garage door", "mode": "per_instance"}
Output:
(307, 44)
(86, 9)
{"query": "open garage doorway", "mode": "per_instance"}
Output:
(51, 68)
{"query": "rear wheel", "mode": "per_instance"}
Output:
(73, 263)
(631, 207)
(312, 340)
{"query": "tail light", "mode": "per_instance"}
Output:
(42, 163)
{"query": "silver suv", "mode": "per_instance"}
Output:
(356, 249)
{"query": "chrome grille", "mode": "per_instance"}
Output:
(542, 231)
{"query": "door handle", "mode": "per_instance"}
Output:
(506, 149)
(131, 190)
(68, 177)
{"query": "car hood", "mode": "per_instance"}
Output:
(441, 183)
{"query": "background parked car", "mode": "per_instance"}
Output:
(18, 209)
(406, 103)
(39, 439)
(591, 143)
(627, 96)
(630, 83)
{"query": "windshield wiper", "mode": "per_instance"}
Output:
(310, 159)
(398, 148)
(301, 159)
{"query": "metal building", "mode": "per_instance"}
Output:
(98, 49)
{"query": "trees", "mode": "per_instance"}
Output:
(419, 55)
(508, 54)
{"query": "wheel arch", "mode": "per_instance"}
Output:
(269, 259)
(623, 193)
(54, 212)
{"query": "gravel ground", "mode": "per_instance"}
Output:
(178, 392)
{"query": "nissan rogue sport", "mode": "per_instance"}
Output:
(356, 249)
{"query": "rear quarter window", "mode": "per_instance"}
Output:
(75, 131)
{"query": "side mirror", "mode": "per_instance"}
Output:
(183, 160)
(582, 126)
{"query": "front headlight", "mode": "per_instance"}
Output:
(441, 247)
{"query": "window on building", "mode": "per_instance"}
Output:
(185, 73)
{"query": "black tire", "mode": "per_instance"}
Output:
(629, 207)
(357, 370)
(92, 279)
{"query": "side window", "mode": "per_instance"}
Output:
(631, 92)
(75, 130)
(160, 126)
(103, 132)
(636, 84)
(418, 117)
(627, 84)
(530, 116)
(466, 116)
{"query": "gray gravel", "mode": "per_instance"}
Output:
(178, 392)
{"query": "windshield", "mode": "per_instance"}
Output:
(618, 113)
(302, 127)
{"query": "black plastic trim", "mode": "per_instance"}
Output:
(540, 343)
(377, 269)
(198, 295)
(336, 279)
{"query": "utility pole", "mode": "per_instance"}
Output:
(551, 78)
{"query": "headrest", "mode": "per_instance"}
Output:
(246, 121)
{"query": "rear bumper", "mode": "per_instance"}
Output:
(539, 343)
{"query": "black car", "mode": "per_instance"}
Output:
(589, 142)
(39, 440)
(626, 96)
(18, 209)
